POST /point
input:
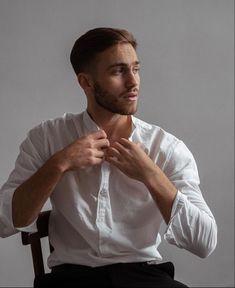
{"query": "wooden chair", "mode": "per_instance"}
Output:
(34, 240)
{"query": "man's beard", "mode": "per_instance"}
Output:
(110, 102)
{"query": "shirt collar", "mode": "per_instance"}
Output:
(91, 126)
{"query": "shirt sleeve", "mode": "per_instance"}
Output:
(27, 163)
(192, 225)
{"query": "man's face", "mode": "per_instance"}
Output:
(116, 79)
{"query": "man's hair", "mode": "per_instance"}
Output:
(95, 41)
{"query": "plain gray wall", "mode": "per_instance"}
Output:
(186, 49)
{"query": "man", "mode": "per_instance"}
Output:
(111, 178)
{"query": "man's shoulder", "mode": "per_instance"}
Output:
(57, 122)
(64, 119)
(161, 141)
(153, 129)
(56, 127)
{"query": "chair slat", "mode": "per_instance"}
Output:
(34, 240)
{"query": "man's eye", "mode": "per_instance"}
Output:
(117, 71)
(136, 69)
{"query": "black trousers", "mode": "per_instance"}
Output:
(131, 275)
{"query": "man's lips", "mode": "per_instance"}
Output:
(131, 96)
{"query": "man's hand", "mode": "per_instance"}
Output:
(86, 151)
(131, 159)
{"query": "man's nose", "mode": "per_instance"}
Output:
(132, 79)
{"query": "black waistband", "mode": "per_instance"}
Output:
(167, 267)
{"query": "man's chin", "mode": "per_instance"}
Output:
(132, 111)
(118, 110)
(128, 113)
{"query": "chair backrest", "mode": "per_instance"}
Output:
(34, 240)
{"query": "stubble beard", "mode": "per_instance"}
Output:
(107, 101)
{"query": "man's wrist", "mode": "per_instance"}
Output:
(57, 163)
(151, 178)
(159, 183)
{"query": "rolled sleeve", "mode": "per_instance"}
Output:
(27, 163)
(192, 225)
(191, 229)
(6, 224)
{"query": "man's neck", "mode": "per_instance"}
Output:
(116, 126)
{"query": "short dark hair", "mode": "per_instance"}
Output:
(95, 41)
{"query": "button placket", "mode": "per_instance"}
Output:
(103, 219)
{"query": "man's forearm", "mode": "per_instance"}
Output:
(163, 192)
(29, 197)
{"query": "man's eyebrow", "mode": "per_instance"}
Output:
(122, 64)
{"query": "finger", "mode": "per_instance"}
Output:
(130, 145)
(100, 134)
(97, 161)
(121, 149)
(102, 143)
(99, 154)
(114, 160)
(126, 143)
(113, 152)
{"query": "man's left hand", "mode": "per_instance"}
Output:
(131, 159)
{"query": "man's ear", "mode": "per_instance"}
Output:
(85, 81)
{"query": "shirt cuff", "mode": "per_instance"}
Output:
(8, 228)
(6, 222)
(31, 228)
(178, 204)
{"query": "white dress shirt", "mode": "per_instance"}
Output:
(101, 216)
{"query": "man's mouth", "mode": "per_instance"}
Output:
(131, 96)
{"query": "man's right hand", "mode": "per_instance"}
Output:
(86, 151)
(30, 196)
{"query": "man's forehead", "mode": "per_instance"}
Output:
(120, 54)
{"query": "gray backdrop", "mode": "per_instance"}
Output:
(186, 49)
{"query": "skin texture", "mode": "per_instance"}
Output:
(112, 91)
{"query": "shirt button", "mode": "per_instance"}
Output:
(103, 192)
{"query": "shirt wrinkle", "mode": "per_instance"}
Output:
(118, 221)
